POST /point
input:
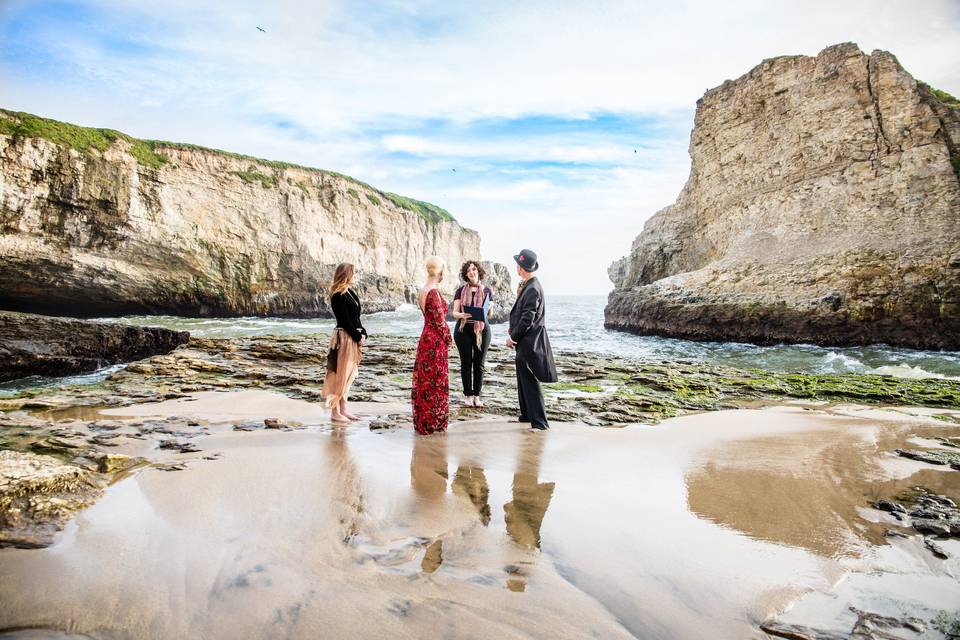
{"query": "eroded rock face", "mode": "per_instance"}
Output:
(199, 233)
(822, 206)
(42, 345)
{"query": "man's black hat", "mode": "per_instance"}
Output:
(527, 259)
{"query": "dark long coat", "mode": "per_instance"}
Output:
(529, 331)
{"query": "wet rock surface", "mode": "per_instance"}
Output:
(596, 389)
(926, 512)
(868, 626)
(46, 346)
(38, 494)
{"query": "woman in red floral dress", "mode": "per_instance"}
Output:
(431, 407)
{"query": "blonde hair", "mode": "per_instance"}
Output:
(341, 278)
(435, 266)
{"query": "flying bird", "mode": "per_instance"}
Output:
(263, 30)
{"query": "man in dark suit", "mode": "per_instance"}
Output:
(528, 335)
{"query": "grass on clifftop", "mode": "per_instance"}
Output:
(149, 154)
(26, 125)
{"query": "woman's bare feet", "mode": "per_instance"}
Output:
(346, 413)
(336, 416)
(468, 401)
(477, 402)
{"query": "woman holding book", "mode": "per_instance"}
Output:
(471, 303)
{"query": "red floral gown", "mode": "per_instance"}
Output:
(431, 371)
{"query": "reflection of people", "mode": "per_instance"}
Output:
(428, 469)
(524, 514)
(471, 482)
(428, 477)
(472, 337)
(430, 371)
(528, 335)
(345, 478)
(348, 339)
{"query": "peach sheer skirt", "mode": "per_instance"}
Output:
(336, 385)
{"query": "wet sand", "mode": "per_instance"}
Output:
(702, 526)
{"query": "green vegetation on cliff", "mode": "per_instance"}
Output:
(149, 153)
(26, 125)
(252, 175)
(941, 95)
(430, 212)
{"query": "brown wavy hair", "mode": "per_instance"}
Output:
(341, 278)
(466, 265)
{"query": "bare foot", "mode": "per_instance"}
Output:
(468, 401)
(351, 416)
(336, 416)
(477, 402)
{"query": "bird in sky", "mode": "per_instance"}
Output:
(263, 30)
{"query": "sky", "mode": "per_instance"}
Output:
(554, 126)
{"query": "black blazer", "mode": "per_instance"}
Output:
(529, 331)
(346, 308)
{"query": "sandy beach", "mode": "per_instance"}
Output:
(703, 526)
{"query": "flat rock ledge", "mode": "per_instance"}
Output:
(41, 345)
(38, 495)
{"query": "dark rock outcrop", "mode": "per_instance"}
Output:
(42, 345)
(823, 205)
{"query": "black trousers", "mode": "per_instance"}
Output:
(472, 357)
(532, 408)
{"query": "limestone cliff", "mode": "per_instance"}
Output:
(823, 205)
(94, 222)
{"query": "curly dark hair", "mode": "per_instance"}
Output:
(466, 265)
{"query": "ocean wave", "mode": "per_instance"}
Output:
(909, 371)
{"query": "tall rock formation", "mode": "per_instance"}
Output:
(94, 222)
(823, 205)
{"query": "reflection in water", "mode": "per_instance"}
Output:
(348, 502)
(471, 482)
(428, 467)
(524, 514)
(428, 477)
(805, 489)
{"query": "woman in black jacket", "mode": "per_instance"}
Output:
(347, 341)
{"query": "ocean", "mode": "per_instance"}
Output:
(575, 323)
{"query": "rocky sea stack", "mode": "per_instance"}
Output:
(95, 222)
(823, 205)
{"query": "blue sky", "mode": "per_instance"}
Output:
(558, 126)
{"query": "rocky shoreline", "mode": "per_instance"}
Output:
(60, 450)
